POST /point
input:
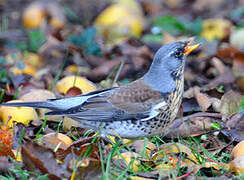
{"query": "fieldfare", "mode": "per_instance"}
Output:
(142, 108)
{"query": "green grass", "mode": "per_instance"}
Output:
(20, 173)
(111, 169)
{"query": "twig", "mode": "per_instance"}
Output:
(200, 114)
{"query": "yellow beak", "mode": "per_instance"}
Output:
(189, 48)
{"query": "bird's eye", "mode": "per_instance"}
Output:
(178, 54)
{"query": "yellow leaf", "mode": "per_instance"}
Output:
(17, 154)
(68, 123)
(237, 165)
(170, 148)
(139, 178)
(17, 114)
(27, 70)
(238, 150)
(215, 29)
(120, 21)
(75, 81)
(129, 158)
(32, 59)
(33, 16)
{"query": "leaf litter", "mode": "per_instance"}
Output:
(203, 140)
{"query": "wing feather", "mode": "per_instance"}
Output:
(131, 102)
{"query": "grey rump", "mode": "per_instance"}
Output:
(142, 108)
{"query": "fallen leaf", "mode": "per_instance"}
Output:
(174, 3)
(209, 5)
(215, 29)
(33, 59)
(6, 141)
(73, 91)
(238, 150)
(30, 70)
(6, 136)
(236, 121)
(56, 141)
(174, 148)
(230, 53)
(40, 159)
(84, 147)
(129, 158)
(236, 38)
(23, 115)
(119, 21)
(140, 178)
(68, 123)
(219, 65)
(102, 71)
(86, 169)
(5, 164)
(202, 99)
(143, 146)
(224, 79)
(37, 11)
(230, 103)
(68, 82)
(237, 165)
(192, 125)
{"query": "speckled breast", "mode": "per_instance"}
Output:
(166, 117)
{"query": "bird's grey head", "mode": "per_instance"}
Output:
(170, 58)
(168, 65)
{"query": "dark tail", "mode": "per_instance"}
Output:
(41, 104)
(53, 104)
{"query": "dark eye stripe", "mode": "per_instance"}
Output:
(179, 52)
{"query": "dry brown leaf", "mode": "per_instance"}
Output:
(203, 100)
(192, 125)
(174, 3)
(236, 121)
(101, 72)
(86, 169)
(81, 147)
(224, 79)
(56, 141)
(235, 127)
(230, 53)
(38, 158)
(200, 5)
(238, 150)
(219, 65)
(230, 103)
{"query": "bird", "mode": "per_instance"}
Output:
(143, 108)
